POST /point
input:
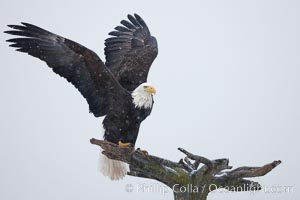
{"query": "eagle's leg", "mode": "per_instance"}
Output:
(121, 144)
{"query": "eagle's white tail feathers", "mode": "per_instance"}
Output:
(114, 169)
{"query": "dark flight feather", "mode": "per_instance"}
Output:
(129, 56)
(79, 65)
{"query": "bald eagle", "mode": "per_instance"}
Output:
(116, 89)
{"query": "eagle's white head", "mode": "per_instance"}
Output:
(143, 96)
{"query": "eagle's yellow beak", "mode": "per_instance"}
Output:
(151, 90)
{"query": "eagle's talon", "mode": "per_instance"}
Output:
(144, 153)
(133, 150)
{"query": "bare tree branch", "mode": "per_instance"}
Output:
(185, 173)
(199, 159)
(253, 171)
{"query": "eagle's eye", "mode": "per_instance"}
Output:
(145, 87)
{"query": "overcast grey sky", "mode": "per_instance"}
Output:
(227, 80)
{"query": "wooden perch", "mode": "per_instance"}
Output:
(185, 178)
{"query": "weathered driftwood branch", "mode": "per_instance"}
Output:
(189, 181)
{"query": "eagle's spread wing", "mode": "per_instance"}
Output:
(79, 65)
(130, 52)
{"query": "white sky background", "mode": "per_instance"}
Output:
(227, 77)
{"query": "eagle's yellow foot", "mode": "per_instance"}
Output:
(144, 152)
(133, 150)
(121, 144)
